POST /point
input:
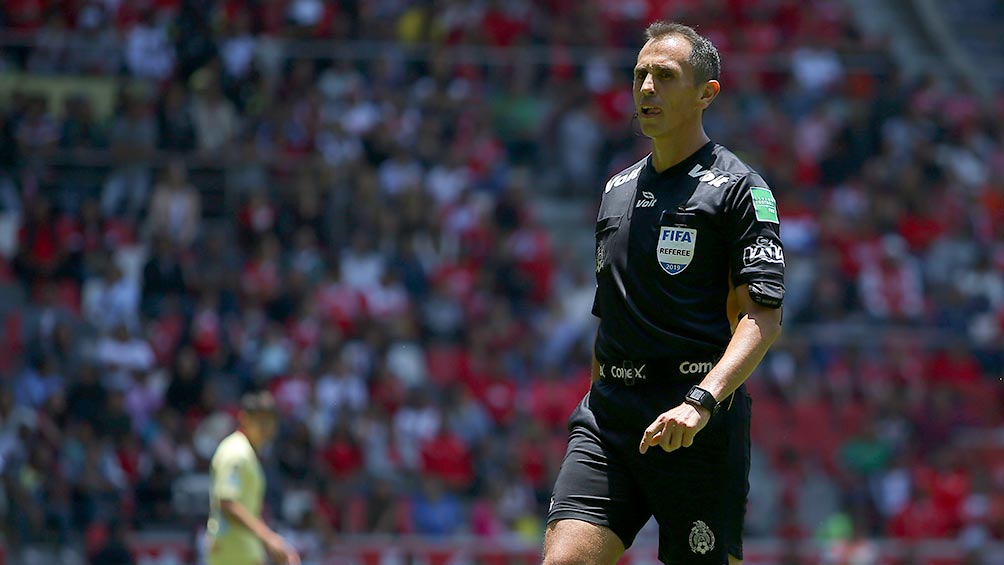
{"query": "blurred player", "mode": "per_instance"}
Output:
(236, 533)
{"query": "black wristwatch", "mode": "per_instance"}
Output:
(697, 396)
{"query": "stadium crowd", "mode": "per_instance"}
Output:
(379, 264)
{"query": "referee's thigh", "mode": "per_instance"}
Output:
(574, 542)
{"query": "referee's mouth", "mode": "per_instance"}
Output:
(649, 111)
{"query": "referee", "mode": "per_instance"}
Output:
(236, 533)
(690, 279)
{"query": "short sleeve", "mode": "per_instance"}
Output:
(752, 222)
(228, 480)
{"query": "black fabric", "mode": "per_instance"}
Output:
(604, 480)
(667, 246)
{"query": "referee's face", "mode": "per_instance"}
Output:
(666, 97)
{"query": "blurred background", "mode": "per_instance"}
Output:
(382, 211)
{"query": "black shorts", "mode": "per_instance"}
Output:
(697, 494)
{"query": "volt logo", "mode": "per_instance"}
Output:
(622, 178)
(704, 175)
(647, 200)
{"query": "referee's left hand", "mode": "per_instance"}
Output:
(675, 428)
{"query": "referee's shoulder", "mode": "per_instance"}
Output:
(728, 162)
(629, 174)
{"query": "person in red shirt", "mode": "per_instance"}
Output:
(342, 457)
(40, 253)
(446, 456)
(920, 519)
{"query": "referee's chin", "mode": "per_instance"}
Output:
(654, 131)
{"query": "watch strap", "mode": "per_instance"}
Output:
(698, 396)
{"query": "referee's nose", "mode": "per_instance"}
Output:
(648, 85)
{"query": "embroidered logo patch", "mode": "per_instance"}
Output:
(702, 539)
(601, 255)
(764, 204)
(764, 250)
(675, 248)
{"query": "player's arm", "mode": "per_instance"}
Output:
(235, 511)
(228, 486)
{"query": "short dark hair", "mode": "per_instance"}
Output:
(704, 58)
(258, 403)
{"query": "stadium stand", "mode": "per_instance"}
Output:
(381, 211)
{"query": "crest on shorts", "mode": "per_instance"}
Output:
(675, 248)
(702, 539)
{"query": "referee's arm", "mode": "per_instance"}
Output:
(755, 332)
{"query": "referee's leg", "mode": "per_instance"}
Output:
(575, 542)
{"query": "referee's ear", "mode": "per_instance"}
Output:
(708, 93)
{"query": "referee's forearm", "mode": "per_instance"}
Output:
(754, 335)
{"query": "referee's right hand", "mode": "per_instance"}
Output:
(674, 429)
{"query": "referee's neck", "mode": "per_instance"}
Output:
(674, 149)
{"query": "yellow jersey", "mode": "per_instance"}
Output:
(236, 475)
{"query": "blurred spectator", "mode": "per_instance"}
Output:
(148, 52)
(95, 46)
(416, 422)
(122, 354)
(919, 519)
(81, 129)
(50, 56)
(380, 510)
(435, 511)
(187, 383)
(865, 455)
(580, 140)
(41, 253)
(339, 393)
(175, 210)
(214, 115)
(891, 286)
(37, 132)
(163, 276)
(176, 119)
(237, 49)
(133, 137)
(85, 399)
(111, 300)
(38, 383)
(115, 550)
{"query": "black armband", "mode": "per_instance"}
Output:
(767, 293)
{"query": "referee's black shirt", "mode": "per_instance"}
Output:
(666, 246)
